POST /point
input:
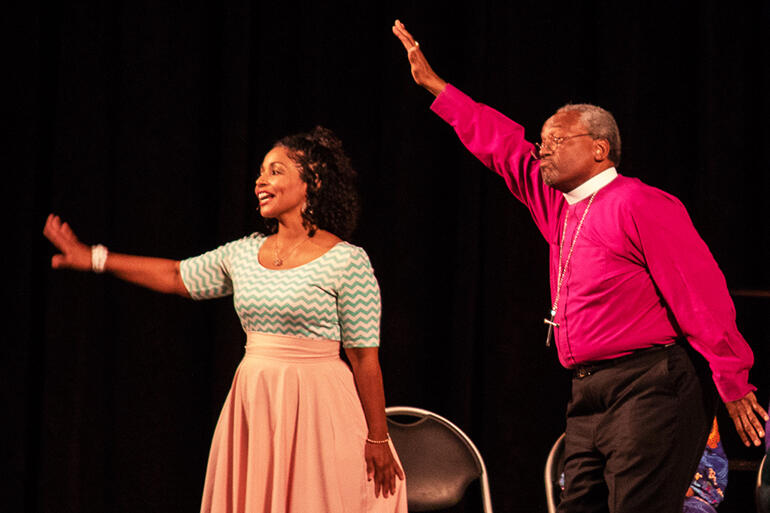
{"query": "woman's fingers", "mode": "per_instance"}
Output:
(386, 471)
(74, 254)
(49, 223)
(67, 233)
(52, 230)
(57, 261)
(382, 467)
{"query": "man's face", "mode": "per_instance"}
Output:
(567, 150)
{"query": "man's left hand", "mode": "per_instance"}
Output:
(744, 412)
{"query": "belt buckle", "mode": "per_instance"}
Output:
(582, 372)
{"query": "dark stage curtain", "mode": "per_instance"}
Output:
(142, 124)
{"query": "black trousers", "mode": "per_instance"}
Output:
(636, 429)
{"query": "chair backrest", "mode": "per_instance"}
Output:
(439, 459)
(554, 466)
(762, 492)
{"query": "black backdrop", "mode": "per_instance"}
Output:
(141, 124)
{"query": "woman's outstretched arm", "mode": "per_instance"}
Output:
(159, 274)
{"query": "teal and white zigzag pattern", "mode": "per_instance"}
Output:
(335, 296)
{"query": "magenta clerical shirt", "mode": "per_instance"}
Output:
(640, 274)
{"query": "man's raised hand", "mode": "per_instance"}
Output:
(422, 73)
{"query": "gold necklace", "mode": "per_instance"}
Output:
(561, 272)
(277, 260)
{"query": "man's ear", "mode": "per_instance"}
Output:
(601, 150)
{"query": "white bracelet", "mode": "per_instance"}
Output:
(98, 258)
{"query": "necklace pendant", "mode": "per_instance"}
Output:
(551, 326)
(277, 260)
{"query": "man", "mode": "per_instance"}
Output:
(631, 281)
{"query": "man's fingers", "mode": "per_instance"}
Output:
(748, 428)
(402, 29)
(742, 434)
(748, 408)
(399, 33)
(752, 432)
(404, 35)
(404, 40)
(755, 409)
(759, 409)
(744, 412)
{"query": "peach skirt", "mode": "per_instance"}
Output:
(291, 435)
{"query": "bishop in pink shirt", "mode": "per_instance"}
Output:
(630, 280)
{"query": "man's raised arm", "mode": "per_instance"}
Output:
(422, 73)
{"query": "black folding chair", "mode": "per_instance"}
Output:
(762, 491)
(439, 460)
(554, 466)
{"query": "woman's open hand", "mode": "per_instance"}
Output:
(383, 468)
(74, 254)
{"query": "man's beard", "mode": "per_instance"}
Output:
(548, 174)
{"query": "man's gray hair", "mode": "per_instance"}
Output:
(600, 124)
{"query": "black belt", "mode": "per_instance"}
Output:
(586, 369)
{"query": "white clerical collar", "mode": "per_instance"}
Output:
(591, 185)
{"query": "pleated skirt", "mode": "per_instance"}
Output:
(291, 435)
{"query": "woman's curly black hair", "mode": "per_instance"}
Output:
(332, 197)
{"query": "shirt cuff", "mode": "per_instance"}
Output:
(451, 103)
(734, 386)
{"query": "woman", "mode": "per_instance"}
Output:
(298, 431)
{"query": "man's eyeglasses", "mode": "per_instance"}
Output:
(551, 147)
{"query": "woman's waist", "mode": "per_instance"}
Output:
(291, 348)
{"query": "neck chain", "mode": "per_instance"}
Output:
(277, 260)
(562, 271)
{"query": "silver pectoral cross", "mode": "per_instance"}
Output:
(551, 326)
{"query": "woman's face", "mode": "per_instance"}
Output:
(279, 189)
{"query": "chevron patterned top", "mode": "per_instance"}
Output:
(334, 297)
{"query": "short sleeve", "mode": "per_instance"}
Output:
(358, 302)
(207, 276)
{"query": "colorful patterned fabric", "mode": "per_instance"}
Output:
(710, 479)
(334, 297)
(697, 505)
